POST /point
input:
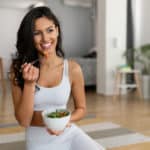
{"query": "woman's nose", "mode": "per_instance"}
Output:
(45, 37)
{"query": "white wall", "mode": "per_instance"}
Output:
(101, 45)
(77, 27)
(111, 42)
(136, 5)
(145, 22)
(141, 13)
(9, 23)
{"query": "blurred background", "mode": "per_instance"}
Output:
(95, 33)
(110, 39)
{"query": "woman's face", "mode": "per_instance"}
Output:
(45, 36)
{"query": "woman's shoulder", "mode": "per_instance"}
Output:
(73, 65)
(74, 68)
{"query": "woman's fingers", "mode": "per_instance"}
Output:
(35, 73)
(55, 132)
(26, 68)
(22, 66)
(30, 72)
(68, 125)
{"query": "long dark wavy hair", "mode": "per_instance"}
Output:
(26, 50)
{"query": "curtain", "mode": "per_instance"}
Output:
(130, 40)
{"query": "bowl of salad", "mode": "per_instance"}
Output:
(56, 119)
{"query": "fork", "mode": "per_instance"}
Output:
(32, 63)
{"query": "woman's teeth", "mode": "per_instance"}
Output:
(46, 46)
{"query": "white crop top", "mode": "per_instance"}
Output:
(53, 97)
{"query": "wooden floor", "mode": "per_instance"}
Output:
(129, 111)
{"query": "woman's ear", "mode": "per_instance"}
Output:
(57, 31)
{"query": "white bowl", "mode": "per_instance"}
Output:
(55, 123)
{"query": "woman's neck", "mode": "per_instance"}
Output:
(51, 61)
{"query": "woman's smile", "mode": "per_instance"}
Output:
(45, 46)
(45, 35)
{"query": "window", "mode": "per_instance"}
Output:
(82, 3)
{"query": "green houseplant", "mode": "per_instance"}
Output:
(142, 56)
(142, 62)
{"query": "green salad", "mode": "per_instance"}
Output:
(58, 114)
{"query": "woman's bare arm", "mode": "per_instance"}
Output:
(23, 100)
(23, 103)
(78, 92)
(37, 119)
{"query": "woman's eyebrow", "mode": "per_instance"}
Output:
(52, 26)
(49, 27)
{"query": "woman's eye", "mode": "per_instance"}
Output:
(50, 30)
(36, 33)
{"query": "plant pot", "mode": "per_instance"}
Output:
(146, 86)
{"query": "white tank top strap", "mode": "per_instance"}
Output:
(66, 68)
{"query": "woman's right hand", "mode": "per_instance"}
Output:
(53, 132)
(30, 73)
(57, 133)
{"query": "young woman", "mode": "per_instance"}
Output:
(43, 79)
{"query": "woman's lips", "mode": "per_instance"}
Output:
(46, 46)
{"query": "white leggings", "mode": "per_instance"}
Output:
(82, 141)
(72, 139)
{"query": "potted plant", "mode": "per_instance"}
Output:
(142, 62)
(142, 59)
